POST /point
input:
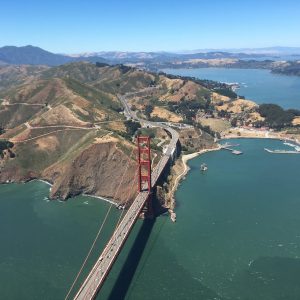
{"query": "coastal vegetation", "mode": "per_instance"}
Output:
(275, 116)
(226, 92)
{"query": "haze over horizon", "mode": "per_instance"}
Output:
(76, 27)
(275, 50)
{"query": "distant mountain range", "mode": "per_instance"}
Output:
(276, 51)
(31, 55)
(118, 56)
(199, 53)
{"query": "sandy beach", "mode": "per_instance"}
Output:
(185, 158)
(236, 133)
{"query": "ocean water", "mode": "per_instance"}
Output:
(261, 86)
(237, 235)
(43, 243)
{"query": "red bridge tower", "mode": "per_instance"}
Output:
(144, 163)
(144, 168)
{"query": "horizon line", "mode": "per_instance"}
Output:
(183, 51)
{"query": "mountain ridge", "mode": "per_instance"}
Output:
(32, 55)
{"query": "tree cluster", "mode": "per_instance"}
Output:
(101, 64)
(275, 116)
(132, 127)
(148, 110)
(188, 109)
(6, 145)
(228, 92)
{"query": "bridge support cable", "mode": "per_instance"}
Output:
(98, 274)
(88, 293)
(143, 158)
(100, 228)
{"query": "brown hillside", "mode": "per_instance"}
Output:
(93, 171)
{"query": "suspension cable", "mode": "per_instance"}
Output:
(120, 214)
(100, 230)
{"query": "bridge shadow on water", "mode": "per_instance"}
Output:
(128, 270)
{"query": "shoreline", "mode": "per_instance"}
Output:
(44, 181)
(184, 169)
(100, 198)
(295, 141)
(180, 177)
(83, 194)
(186, 157)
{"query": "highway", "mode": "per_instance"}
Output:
(132, 115)
(99, 272)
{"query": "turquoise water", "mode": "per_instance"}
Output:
(260, 86)
(237, 235)
(43, 243)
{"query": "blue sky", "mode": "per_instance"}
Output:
(130, 25)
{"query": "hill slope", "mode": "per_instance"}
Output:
(11, 75)
(58, 125)
(67, 125)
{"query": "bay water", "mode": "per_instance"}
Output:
(237, 235)
(258, 85)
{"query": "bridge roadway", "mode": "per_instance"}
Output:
(99, 272)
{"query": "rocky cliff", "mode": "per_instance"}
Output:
(97, 170)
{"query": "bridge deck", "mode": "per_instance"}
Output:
(99, 272)
(105, 261)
